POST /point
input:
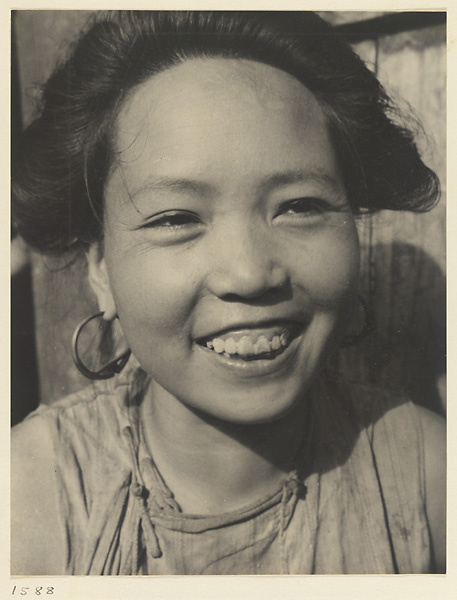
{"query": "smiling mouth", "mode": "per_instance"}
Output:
(253, 344)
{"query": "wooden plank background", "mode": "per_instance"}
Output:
(403, 255)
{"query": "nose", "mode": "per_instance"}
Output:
(244, 264)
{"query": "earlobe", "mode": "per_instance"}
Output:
(100, 283)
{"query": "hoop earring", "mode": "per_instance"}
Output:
(113, 367)
(351, 340)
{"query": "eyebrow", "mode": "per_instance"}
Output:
(302, 176)
(268, 184)
(179, 184)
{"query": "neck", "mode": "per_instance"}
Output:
(213, 466)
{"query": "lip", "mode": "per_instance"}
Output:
(277, 364)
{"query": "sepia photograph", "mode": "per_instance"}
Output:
(228, 292)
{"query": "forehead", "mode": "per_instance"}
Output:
(227, 113)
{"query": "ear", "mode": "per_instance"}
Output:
(99, 282)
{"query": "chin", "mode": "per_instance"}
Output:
(263, 404)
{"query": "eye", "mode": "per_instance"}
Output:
(172, 227)
(174, 220)
(301, 208)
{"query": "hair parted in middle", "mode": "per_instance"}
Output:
(66, 154)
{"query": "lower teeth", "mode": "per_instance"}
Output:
(252, 356)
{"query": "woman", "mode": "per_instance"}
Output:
(211, 166)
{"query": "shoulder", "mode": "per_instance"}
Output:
(416, 441)
(55, 454)
(409, 443)
(36, 547)
(434, 432)
(37, 540)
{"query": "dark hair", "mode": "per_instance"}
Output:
(65, 155)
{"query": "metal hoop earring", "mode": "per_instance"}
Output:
(113, 367)
(351, 340)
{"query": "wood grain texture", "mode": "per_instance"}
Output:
(61, 294)
(403, 255)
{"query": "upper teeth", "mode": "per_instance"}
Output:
(245, 346)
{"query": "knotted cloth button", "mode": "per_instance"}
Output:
(137, 489)
(297, 487)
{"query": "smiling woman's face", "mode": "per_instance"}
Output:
(231, 252)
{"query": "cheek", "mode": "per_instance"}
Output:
(151, 296)
(330, 270)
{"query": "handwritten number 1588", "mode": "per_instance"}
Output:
(38, 591)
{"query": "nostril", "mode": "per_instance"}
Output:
(268, 297)
(279, 277)
(248, 274)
